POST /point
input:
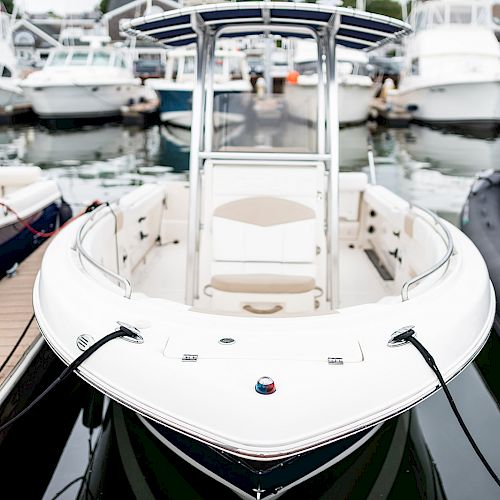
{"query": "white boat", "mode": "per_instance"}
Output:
(231, 80)
(26, 198)
(83, 82)
(11, 93)
(356, 88)
(451, 71)
(262, 295)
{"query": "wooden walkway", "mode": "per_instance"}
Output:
(18, 329)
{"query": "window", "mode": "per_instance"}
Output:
(188, 65)
(438, 15)
(101, 59)
(460, 14)
(235, 68)
(307, 68)
(421, 21)
(218, 66)
(79, 58)
(482, 17)
(414, 66)
(59, 58)
(6, 73)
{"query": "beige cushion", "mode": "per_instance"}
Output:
(262, 283)
(264, 211)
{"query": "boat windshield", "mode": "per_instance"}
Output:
(101, 58)
(436, 14)
(59, 58)
(81, 57)
(271, 116)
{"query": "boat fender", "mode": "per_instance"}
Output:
(407, 335)
(124, 331)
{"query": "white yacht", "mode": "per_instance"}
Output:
(83, 82)
(11, 93)
(356, 87)
(263, 298)
(451, 71)
(231, 78)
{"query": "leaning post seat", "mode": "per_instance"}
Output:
(265, 247)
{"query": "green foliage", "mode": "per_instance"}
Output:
(9, 4)
(103, 6)
(386, 7)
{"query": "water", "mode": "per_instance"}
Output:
(54, 454)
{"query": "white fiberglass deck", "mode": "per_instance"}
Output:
(161, 274)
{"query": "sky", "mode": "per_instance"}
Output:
(58, 6)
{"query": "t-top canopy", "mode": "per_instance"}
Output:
(356, 29)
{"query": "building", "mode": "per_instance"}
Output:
(124, 10)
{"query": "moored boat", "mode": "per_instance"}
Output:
(356, 87)
(262, 295)
(11, 93)
(451, 69)
(479, 221)
(30, 207)
(83, 82)
(231, 78)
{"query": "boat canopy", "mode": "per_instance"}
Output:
(354, 29)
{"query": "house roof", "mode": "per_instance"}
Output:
(117, 7)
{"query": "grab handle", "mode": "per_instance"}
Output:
(253, 310)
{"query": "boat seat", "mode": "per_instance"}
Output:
(254, 238)
(263, 238)
(265, 230)
(263, 294)
(264, 211)
(262, 283)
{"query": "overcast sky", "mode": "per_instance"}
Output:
(58, 6)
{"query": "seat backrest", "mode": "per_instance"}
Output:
(263, 229)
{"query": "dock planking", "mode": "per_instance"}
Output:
(18, 329)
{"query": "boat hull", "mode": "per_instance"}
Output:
(479, 221)
(472, 102)
(10, 93)
(354, 102)
(17, 242)
(176, 106)
(82, 101)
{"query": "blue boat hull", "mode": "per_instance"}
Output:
(180, 102)
(17, 242)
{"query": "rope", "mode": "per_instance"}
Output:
(122, 332)
(408, 336)
(34, 231)
(13, 350)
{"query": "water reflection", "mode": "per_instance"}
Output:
(450, 153)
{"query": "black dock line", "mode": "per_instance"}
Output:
(408, 336)
(122, 332)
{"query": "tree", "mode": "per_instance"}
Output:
(8, 4)
(103, 6)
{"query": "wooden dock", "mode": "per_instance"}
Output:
(18, 327)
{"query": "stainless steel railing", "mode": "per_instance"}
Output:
(445, 234)
(95, 216)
